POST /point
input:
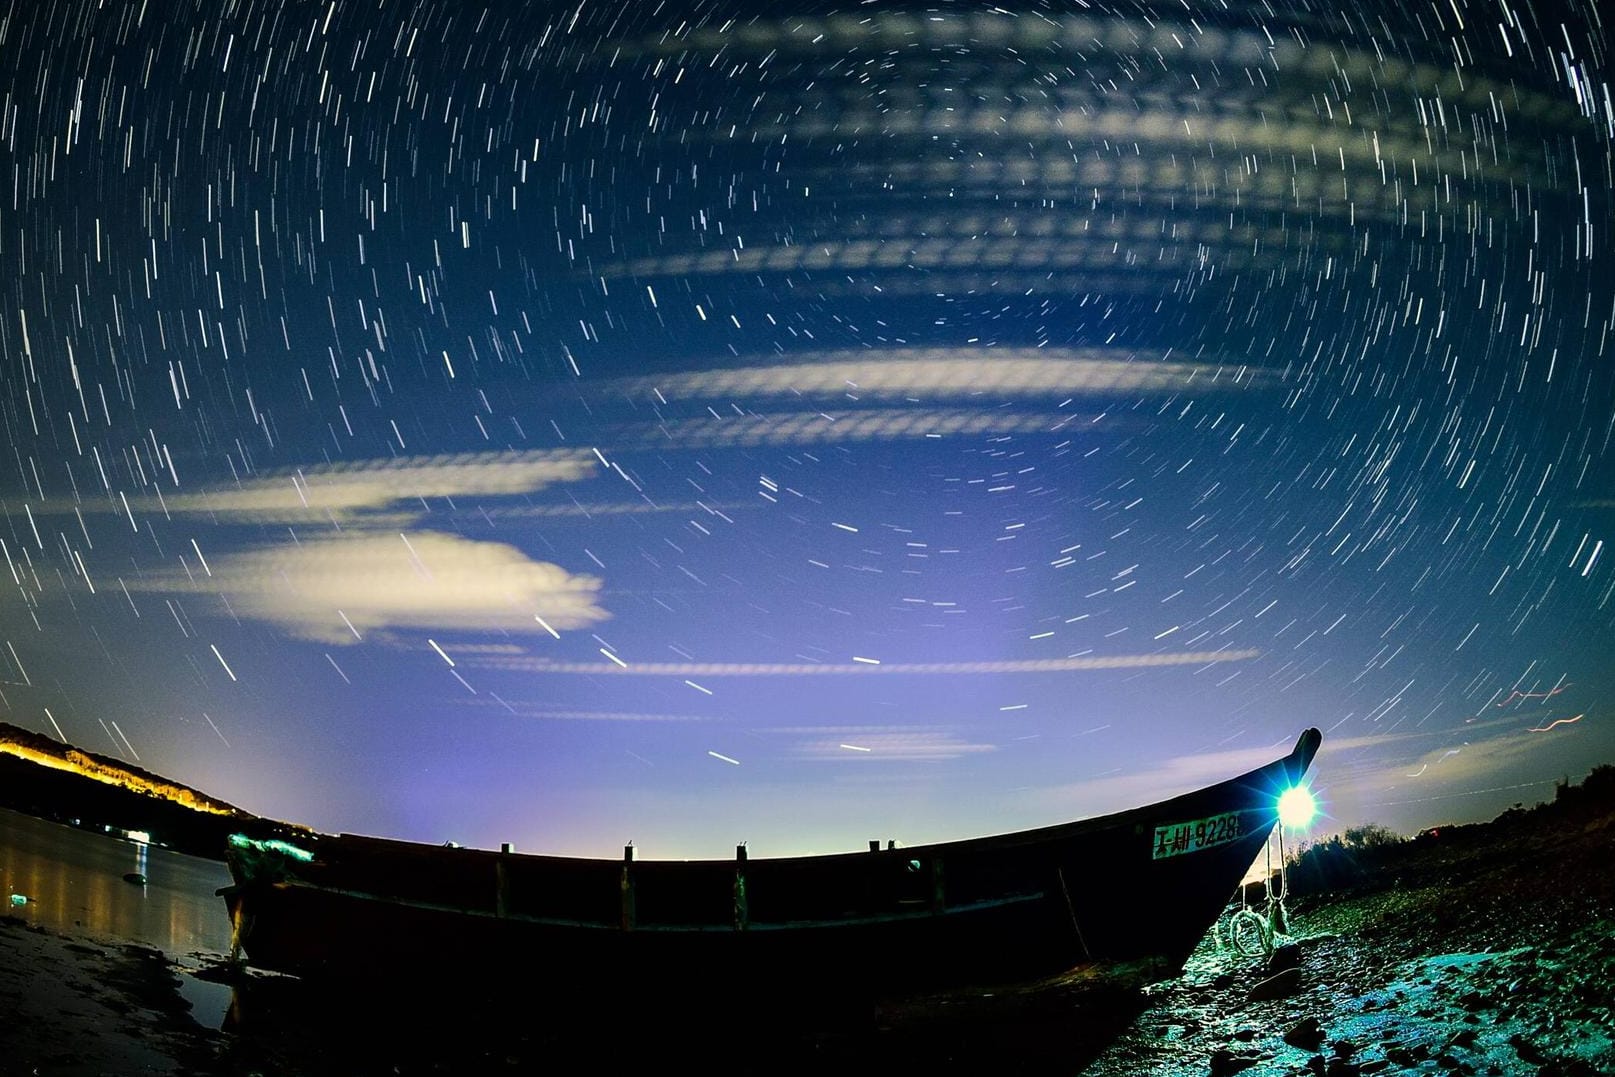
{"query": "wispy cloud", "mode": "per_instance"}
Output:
(868, 667)
(1474, 766)
(340, 589)
(345, 493)
(931, 373)
(548, 713)
(1155, 118)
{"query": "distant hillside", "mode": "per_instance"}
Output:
(42, 777)
(1373, 856)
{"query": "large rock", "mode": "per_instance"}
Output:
(1285, 956)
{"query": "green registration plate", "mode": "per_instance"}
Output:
(1175, 839)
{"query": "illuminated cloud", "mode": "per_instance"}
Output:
(915, 252)
(1311, 127)
(864, 668)
(930, 373)
(1291, 70)
(339, 589)
(343, 493)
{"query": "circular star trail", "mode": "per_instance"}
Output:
(700, 423)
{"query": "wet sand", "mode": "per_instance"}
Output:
(1492, 952)
(83, 1007)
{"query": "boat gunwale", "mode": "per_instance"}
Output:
(1294, 763)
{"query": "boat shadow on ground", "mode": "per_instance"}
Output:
(456, 1025)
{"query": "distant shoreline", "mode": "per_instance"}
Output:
(50, 780)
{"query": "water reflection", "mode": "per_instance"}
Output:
(74, 882)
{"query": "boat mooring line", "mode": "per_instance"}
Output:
(1066, 893)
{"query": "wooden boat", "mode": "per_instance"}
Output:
(1140, 886)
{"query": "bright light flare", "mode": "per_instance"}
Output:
(1297, 808)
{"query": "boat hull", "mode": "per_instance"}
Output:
(1139, 887)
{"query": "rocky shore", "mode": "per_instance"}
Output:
(1475, 950)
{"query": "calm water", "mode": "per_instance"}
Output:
(74, 883)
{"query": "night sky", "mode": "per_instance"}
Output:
(797, 424)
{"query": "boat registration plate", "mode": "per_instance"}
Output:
(1175, 839)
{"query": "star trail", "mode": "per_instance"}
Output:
(696, 423)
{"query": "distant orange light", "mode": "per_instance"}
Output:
(76, 762)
